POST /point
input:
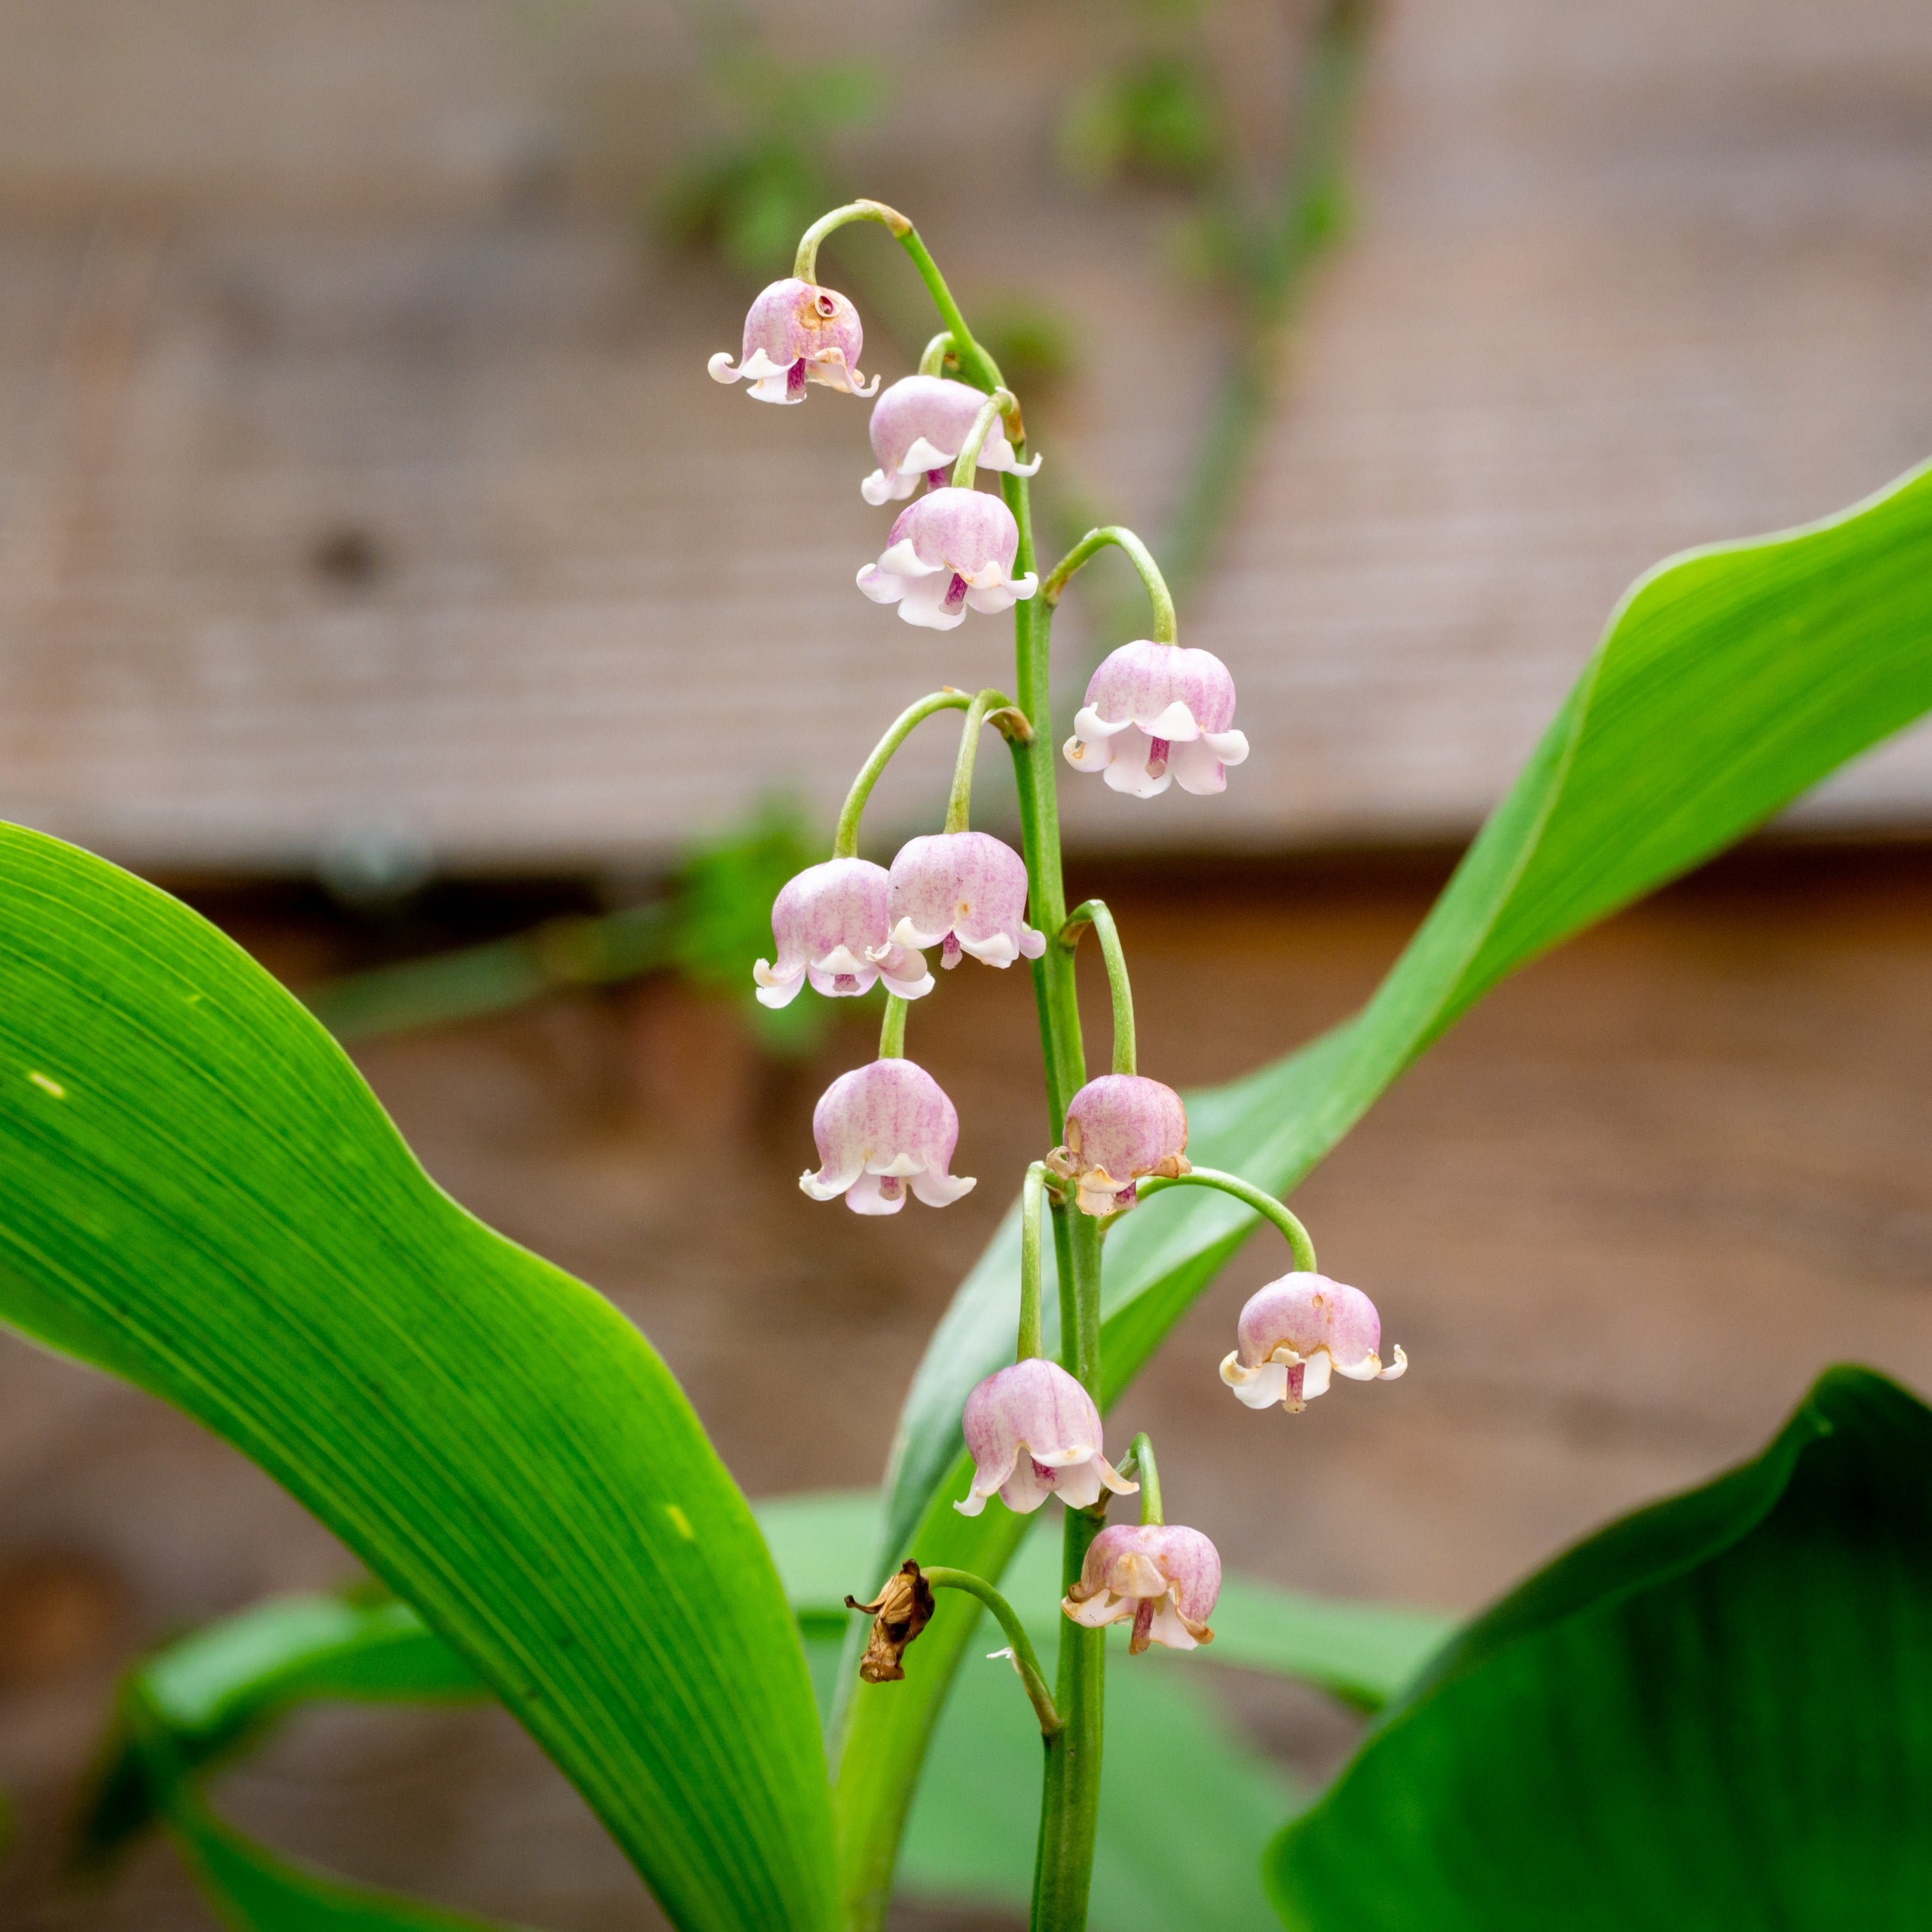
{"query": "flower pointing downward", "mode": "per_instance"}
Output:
(964, 892)
(919, 427)
(1121, 1128)
(1294, 1332)
(1158, 713)
(829, 925)
(882, 1129)
(1033, 1433)
(1168, 1579)
(796, 333)
(950, 549)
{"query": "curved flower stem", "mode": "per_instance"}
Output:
(1033, 1191)
(892, 1032)
(1025, 1660)
(845, 841)
(1000, 403)
(1140, 1459)
(1094, 912)
(932, 362)
(806, 266)
(1166, 630)
(1263, 1203)
(989, 706)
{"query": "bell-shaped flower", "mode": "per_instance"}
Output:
(1121, 1128)
(1295, 1332)
(796, 333)
(1155, 713)
(920, 426)
(830, 924)
(951, 548)
(882, 1129)
(964, 892)
(1033, 1433)
(1166, 1578)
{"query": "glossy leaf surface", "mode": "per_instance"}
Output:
(1717, 1713)
(198, 1192)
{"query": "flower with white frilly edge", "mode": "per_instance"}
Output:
(1157, 713)
(830, 925)
(1167, 1578)
(1033, 1433)
(1294, 1332)
(951, 548)
(920, 426)
(795, 333)
(1121, 1128)
(964, 892)
(882, 1130)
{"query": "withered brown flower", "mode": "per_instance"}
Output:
(904, 1608)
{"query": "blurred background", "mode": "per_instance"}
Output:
(378, 571)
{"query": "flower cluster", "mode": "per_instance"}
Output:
(1156, 714)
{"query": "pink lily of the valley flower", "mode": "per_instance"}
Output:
(830, 924)
(1166, 1578)
(964, 892)
(882, 1130)
(1033, 1433)
(920, 426)
(1121, 1128)
(951, 548)
(1157, 712)
(1294, 1331)
(796, 333)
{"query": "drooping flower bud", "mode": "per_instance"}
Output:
(951, 548)
(964, 892)
(1166, 1578)
(1294, 1331)
(830, 925)
(904, 1608)
(1033, 1432)
(1121, 1128)
(796, 333)
(1157, 712)
(920, 426)
(882, 1129)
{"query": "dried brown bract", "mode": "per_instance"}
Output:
(904, 1608)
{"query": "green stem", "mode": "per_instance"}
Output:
(1140, 1457)
(1000, 403)
(845, 841)
(892, 1032)
(933, 362)
(806, 266)
(986, 705)
(1090, 547)
(1262, 1202)
(1025, 1659)
(1033, 1191)
(1094, 912)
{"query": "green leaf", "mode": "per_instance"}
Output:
(1717, 1713)
(198, 1192)
(1730, 680)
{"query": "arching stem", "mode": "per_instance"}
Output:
(1264, 1204)
(1000, 403)
(1033, 1191)
(932, 362)
(1094, 912)
(1140, 1463)
(845, 841)
(993, 707)
(1165, 630)
(1026, 1660)
(892, 1032)
(806, 266)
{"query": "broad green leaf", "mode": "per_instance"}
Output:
(1718, 1713)
(221, 1687)
(1730, 680)
(198, 1192)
